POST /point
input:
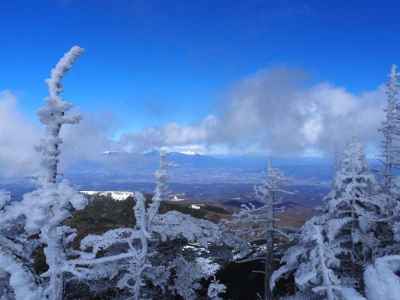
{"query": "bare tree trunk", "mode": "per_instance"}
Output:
(269, 257)
(388, 168)
(268, 269)
(54, 257)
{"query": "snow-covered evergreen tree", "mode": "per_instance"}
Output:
(391, 130)
(268, 193)
(314, 263)
(43, 210)
(313, 260)
(353, 206)
(345, 232)
(46, 208)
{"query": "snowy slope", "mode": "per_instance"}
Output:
(116, 195)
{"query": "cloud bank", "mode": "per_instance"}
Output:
(273, 111)
(17, 139)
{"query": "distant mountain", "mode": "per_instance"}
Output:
(121, 167)
(198, 177)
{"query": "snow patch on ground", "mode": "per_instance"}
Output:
(381, 279)
(195, 206)
(177, 198)
(116, 195)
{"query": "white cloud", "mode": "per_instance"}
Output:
(17, 139)
(171, 135)
(275, 111)
(88, 139)
(272, 111)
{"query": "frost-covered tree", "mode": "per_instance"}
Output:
(144, 227)
(188, 274)
(268, 192)
(353, 209)
(346, 231)
(359, 215)
(135, 261)
(43, 210)
(313, 262)
(382, 221)
(53, 115)
(46, 208)
(257, 224)
(151, 252)
(15, 253)
(391, 130)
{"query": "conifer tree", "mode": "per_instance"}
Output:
(391, 130)
(257, 225)
(53, 202)
(42, 211)
(335, 247)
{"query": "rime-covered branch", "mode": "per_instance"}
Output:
(47, 207)
(53, 114)
(139, 260)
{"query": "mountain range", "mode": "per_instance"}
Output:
(198, 177)
(132, 167)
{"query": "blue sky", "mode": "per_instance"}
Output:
(210, 76)
(150, 62)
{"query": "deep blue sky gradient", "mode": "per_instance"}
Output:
(149, 62)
